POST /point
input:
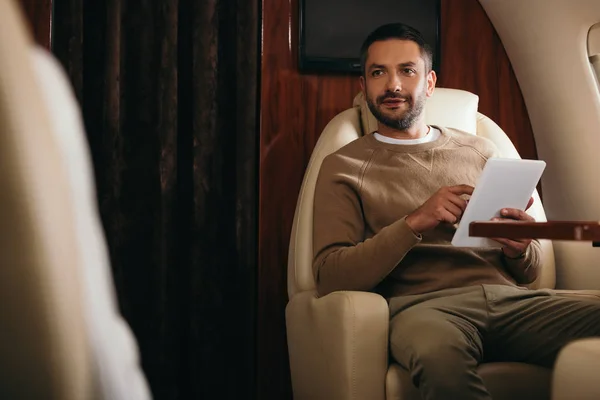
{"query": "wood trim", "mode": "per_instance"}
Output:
(555, 230)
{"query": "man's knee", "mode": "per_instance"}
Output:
(441, 364)
(441, 356)
(431, 337)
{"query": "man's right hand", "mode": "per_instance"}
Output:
(445, 205)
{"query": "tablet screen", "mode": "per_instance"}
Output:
(504, 183)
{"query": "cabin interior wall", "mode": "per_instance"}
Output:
(549, 43)
(594, 40)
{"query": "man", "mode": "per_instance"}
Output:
(385, 209)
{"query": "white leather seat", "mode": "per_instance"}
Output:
(338, 344)
(577, 371)
(61, 336)
(43, 350)
(114, 357)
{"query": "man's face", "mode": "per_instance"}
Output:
(396, 84)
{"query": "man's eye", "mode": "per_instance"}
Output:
(409, 71)
(376, 73)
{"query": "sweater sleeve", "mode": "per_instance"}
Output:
(526, 269)
(343, 259)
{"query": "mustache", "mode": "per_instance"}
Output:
(393, 95)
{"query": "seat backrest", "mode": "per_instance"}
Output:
(447, 107)
(115, 363)
(62, 334)
(43, 348)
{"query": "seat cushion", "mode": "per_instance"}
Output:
(505, 381)
(576, 371)
(581, 294)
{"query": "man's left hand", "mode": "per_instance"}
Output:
(514, 248)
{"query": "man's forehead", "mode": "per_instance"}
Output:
(394, 52)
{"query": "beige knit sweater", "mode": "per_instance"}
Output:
(361, 239)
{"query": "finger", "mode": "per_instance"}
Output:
(458, 201)
(449, 217)
(530, 203)
(448, 212)
(513, 213)
(517, 246)
(503, 241)
(511, 243)
(461, 189)
(510, 248)
(454, 209)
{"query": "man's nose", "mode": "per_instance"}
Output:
(394, 83)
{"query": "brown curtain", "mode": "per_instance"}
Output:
(168, 90)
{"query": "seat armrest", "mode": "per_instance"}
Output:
(576, 371)
(338, 345)
(555, 230)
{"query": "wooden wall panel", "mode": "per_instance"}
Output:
(296, 107)
(294, 110)
(39, 15)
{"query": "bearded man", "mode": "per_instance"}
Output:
(384, 214)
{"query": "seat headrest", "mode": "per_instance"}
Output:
(452, 108)
(43, 347)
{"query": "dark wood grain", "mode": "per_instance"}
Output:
(39, 17)
(555, 230)
(295, 108)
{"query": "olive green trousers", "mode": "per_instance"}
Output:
(441, 337)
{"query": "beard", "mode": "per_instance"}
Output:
(403, 121)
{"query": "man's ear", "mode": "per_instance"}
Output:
(431, 80)
(362, 85)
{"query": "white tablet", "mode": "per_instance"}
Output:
(504, 183)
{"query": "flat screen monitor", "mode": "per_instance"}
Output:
(332, 31)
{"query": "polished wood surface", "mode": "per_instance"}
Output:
(39, 16)
(555, 230)
(294, 109)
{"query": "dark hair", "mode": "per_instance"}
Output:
(396, 31)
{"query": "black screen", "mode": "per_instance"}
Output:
(332, 31)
